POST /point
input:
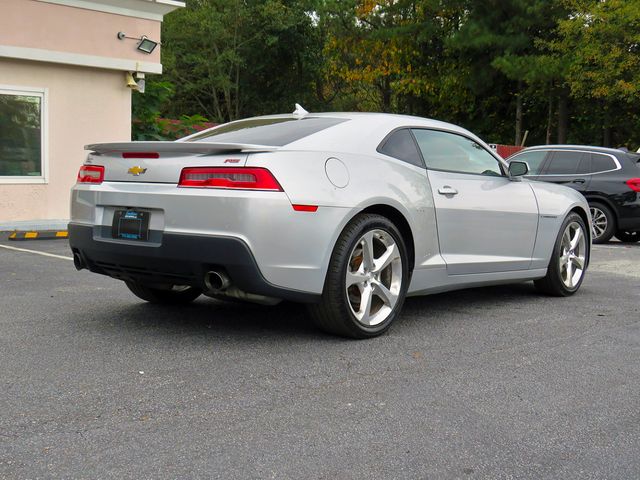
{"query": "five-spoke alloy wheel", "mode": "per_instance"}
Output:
(573, 254)
(569, 259)
(374, 277)
(367, 279)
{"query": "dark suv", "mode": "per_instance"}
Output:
(608, 178)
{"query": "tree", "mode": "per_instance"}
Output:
(229, 59)
(601, 42)
(497, 67)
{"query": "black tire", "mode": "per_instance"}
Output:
(627, 237)
(334, 313)
(552, 283)
(610, 228)
(165, 296)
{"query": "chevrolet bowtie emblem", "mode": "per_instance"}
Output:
(136, 171)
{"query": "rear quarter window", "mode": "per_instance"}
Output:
(601, 163)
(401, 145)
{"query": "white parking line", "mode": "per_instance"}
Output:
(36, 252)
(612, 247)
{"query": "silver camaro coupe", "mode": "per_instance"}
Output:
(347, 212)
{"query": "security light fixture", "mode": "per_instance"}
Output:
(146, 45)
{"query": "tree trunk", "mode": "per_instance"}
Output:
(549, 119)
(563, 116)
(606, 127)
(606, 136)
(386, 95)
(519, 115)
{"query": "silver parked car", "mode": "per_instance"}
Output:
(348, 212)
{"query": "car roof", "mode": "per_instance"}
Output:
(371, 129)
(590, 148)
(399, 119)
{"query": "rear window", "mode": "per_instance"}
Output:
(635, 158)
(602, 163)
(274, 132)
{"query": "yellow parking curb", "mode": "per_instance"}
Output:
(38, 235)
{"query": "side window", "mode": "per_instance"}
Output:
(455, 153)
(601, 163)
(584, 167)
(564, 163)
(401, 145)
(535, 160)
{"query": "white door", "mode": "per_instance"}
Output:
(486, 222)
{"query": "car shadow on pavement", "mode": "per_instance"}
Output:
(212, 318)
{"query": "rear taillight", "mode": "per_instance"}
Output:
(229, 177)
(634, 184)
(91, 174)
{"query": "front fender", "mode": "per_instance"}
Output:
(555, 202)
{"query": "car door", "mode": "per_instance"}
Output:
(569, 168)
(486, 222)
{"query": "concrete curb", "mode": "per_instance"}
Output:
(33, 225)
(39, 235)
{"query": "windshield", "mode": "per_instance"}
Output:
(274, 132)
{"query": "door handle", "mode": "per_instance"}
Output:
(578, 180)
(447, 190)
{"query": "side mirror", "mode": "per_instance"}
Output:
(517, 169)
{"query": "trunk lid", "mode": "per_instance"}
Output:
(162, 162)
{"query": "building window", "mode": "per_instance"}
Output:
(22, 135)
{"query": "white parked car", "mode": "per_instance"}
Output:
(348, 212)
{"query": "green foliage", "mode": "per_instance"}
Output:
(172, 129)
(146, 110)
(229, 59)
(604, 39)
(493, 66)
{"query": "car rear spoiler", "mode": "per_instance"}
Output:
(177, 147)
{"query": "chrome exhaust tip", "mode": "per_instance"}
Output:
(216, 281)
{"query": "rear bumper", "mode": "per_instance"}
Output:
(629, 223)
(178, 259)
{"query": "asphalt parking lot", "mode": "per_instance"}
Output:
(490, 383)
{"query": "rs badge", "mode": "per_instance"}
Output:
(136, 171)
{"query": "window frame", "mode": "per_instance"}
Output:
(43, 93)
(501, 162)
(590, 152)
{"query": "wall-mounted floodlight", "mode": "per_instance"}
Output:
(146, 45)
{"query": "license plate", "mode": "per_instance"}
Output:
(130, 225)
